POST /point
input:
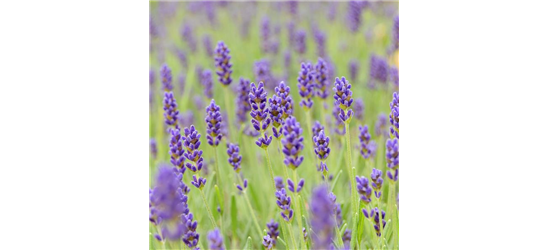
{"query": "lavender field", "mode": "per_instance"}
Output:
(274, 125)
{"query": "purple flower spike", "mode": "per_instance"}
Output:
(374, 214)
(395, 32)
(262, 72)
(377, 181)
(284, 202)
(379, 69)
(301, 42)
(353, 69)
(176, 150)
(279, 183)
(242, 100)
(286, 102)
(268, 242)
(292, 188)
(364, 189)
(320, 39)
(337, 208)
(198, 182)
(367, 146)
(234, 156)
(321, 76)
(207, 81)
(321, 224)
(213, 124)
(291, 33)
(394, 116)
(272, 232)
(223, 64)
(343, 98)
(292, 143)
(260, 119)
(354, 16)
(215, 240)
(170, 110)
(322, 145)
(381, 126)
(393, 73)
(346, 237)
(207, 42)
(317, 127)
(193, 154)
(359, 109)
(392, 159)
(188, 36)
(191, 237)
(265, 34)
(306, 85)
(166, 74)
(281, 106)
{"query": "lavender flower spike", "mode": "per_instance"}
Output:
(191, 237)
(292, 143)
(279, 182)
(170, 110)
(234, 156)
(194, 155)
(300, 42)
(292, 187)
(166, 74)
(392, 159)
(284, 202)
(394, 116)
(272, 232)
(260, 119)
(321, 224)
(306, 84)
(207, 42)
(215, 240)
(367, 146)
(176, 150)
(343, 98)
(321, 77)
(374, 215)
(364, 189)
(207, 81)
(223, 64)
(213, 124)
(377, 181)
(242, 100)
(322, 150)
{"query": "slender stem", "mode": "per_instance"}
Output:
(270, 169)
(208, 208)
(310, 133)
(350, 169)
(218, 178)
(338, 234)
(228, 91)
(249, 205)
(282, 158)
(291, 234)
(298, 208)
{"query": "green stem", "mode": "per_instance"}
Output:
(217, 174)
(298, 209)
(249, 206)
(270, 169)
(350, 169)
(228, 91)
(291, 234)
(338, 234)
(282, 158)
(208, 208)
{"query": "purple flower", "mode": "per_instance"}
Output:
(279, 182)
(245, 184)
(293, 7)
(194, 155)
(191, 237)
(321, 224)
(317, 127)
(260, 119)
(292, 143)
(170, 110)
(395, 32)
(377, 181)
(364, 189)
(339, 127)
(284, 202)
(207, 42)
(272, 232)
(286, 102)
(306, 85)
(213, 124)
(337, 208)
(182, 56)
(359, 109)
(343, 98)
(332, 10)
(379, 68)
(166, 74)
(292, 187)
(265, 34)
(374, 215)
(268, 242)
(393, 118)
(392, 159)
(381, 125)
(367, 147)
(322, 145)
(300, 42)
(167, 203)
(176, 150)
(353, 69)
(346, 237)
(280, 107)
(215, 240)
(181, 81)
(154, 149)
(188, 36)
(207, 81)
(320, 39)
(354, 16)
(321, 76)
(223, 64)
(234, 156)
(242, 100)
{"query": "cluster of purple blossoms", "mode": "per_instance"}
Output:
(381, 125)
(337, 209)
(379, 68)
(343, 98)
(353, 69)
(234, 156)
(293, 7)
(223, 64)
(194, 155)
(321, 224)
(191, 237)
(317, 127)
(392, 159)
(306, 85)
(377, 181)
(359, 109)
(213, 124)
(300, 42)
(242, 100)
(395, 32)
(188, 35)
(367, 146)
(320, 39)
(269, 241)
(280, 107)
(292, 143)
(292, 187)
(259, 114)
(374, 214)
(154, 149)
(393, 118)
(346, 237)
(322, 150)
(215, 240)
(170, 110)
(321, 76)
(265, 30)
(207, 82)
(177, 157)
(167, 203)
(283, 200)
(166, 74)
(364, 189)
(354, 15)
(207, 42)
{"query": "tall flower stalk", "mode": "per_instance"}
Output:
(223, 66)
(214, 121)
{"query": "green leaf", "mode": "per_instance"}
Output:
(248, 243)
(335, 179)
(233, 221)
(280, 240)
(354, 232)
(219, 199)
(343, 227)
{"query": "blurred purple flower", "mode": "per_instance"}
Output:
(322, 224)
(377, 181)
(188, 36)
(300, 42)
(379, 68)
(242, 101)
(166, 74)
(394, 117)
(292, 143)
(392, 158)
(207, 42)
(354, 16)
(353, 69)
(223, 63)
(364, 189)
(170, 110)
(207, 81)
(306, 85)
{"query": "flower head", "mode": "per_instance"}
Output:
(359, 109)
(354, 16)
(353, 69)
(272, 232)
(367, 146)
(213, 124)
(292, 142)
(343, 98)
(170, 109)
(176, 150)
(321, 77)
(392, 158)
(242, 100)
(377, 181)
(207, 81)
(374, 215)
(265, 30)
(321, 224)
(166, 74)
(292, 187)
(395, 32)
(194, 155)
(306, 85)
(393, 118)
(381, 125)
(234, 156)
(301, 42)
(363, 188)
(379, 68)
(191, 237)
(188, 36)
(207, 42)
(259, 114)
(223, 63)
(279, 183)
(284, 202)
(215, 240)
